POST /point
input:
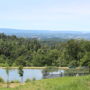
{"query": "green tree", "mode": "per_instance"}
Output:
(85, 61)
(21, 72)
(7, 72)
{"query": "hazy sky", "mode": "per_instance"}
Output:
(45, 14)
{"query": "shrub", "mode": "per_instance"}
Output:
(15, 81)
(1, 80)
(28, 80)
(34, 79)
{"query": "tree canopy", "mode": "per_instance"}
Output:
(32, 52)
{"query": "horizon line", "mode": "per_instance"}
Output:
(46, 29)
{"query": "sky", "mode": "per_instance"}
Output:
(45, 14)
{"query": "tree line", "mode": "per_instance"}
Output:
(16, 51)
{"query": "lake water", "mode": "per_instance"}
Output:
(28, 73)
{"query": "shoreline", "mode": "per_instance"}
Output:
(63, 68)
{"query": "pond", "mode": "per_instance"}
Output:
(28, 74)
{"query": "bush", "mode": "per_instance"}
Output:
(15, 81)
(1, 80)
(34, 79)
(49, 69)
(28, 80)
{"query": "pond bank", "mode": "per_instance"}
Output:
(63, 68)
(64, 83)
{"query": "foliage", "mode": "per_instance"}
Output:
(14, 81)
(32, 52)
(20, 71)
(33, 79)
(77, 71)
(49, 69)
(7, 72)
(1, 80)
(28, 80)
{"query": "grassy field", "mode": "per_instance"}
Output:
(64, 83)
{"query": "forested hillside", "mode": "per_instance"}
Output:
(32, 52)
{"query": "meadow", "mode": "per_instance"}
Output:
(62, 83)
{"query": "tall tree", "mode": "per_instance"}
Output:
(21, 72)
(7, 72)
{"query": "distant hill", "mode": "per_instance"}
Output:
(46, 34)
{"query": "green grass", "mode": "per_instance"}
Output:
(64, 83)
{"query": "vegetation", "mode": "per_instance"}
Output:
(64, 83)
(7, 72)
(14, 81)
(1, 80)
(28, 80)
(75, 72)
(27, 52)
(48, 70)
(32, 52)
(20, 71)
